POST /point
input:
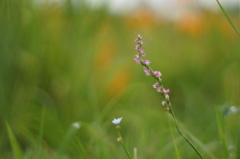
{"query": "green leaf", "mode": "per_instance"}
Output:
(221, 132)
(228, 17)
(15, 145)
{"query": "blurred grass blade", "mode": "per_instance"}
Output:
(70, 133)
(198, 142)
(15, 146)
(228, 17)
(221, 133)
(238, 146)
(174, 141)
(41, 132)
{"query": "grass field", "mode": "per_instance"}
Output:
(62, 64)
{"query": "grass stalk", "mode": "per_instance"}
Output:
(134, 153)
(70, 133)
(41, 132)
(181, 133)
(228, 17)
(14, 143)
(221, 133)
(174, 143)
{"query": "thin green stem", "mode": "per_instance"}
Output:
(228, 17)
(123, 144)
(180, 132)
(41, 132)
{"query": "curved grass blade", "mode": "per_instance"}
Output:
(221, 133)
(69, 135)
(238, 146)
(174, 141)
(228, 17)
(15, 145)
(40, 137)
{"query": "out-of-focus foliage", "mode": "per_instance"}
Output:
(77, 64)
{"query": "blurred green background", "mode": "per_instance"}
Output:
(61, 63)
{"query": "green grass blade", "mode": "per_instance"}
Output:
(15, 146)
(41, 132)
(70, 133)
(238, 146)
(228, 17)
(221, 132)
(197, 141)
(174, 141)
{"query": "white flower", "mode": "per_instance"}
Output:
(233, 109)
(117, 121)
(76, 125)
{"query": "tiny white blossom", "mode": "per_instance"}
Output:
(233, 109)
(76, 125)
(117, 121)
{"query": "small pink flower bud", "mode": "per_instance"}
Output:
(166, 91)
(119, 139)
(146, 62)
(137, 47)
(164, 102)
(159, 89)
(166, 109)
(157, 73)
(147, 72)
(137, 59)
(155, 85)
(141, 42)
(167, 96)
(142, 53)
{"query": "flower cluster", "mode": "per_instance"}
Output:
(149, 71)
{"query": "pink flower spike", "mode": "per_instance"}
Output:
(157, 73)
(164, 102)
(167, 96)
(137, 47)
(137, 59)
(147, 72)
(166, 91)
(146, 62)
(159, 89)
(155, 85)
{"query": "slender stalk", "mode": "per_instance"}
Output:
(173, 138)
(134, 153)
(40, 137)
(180, 132)
(120, 139)
(228, 17)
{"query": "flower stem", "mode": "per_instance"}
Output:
(180, 132)
(123, 144)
